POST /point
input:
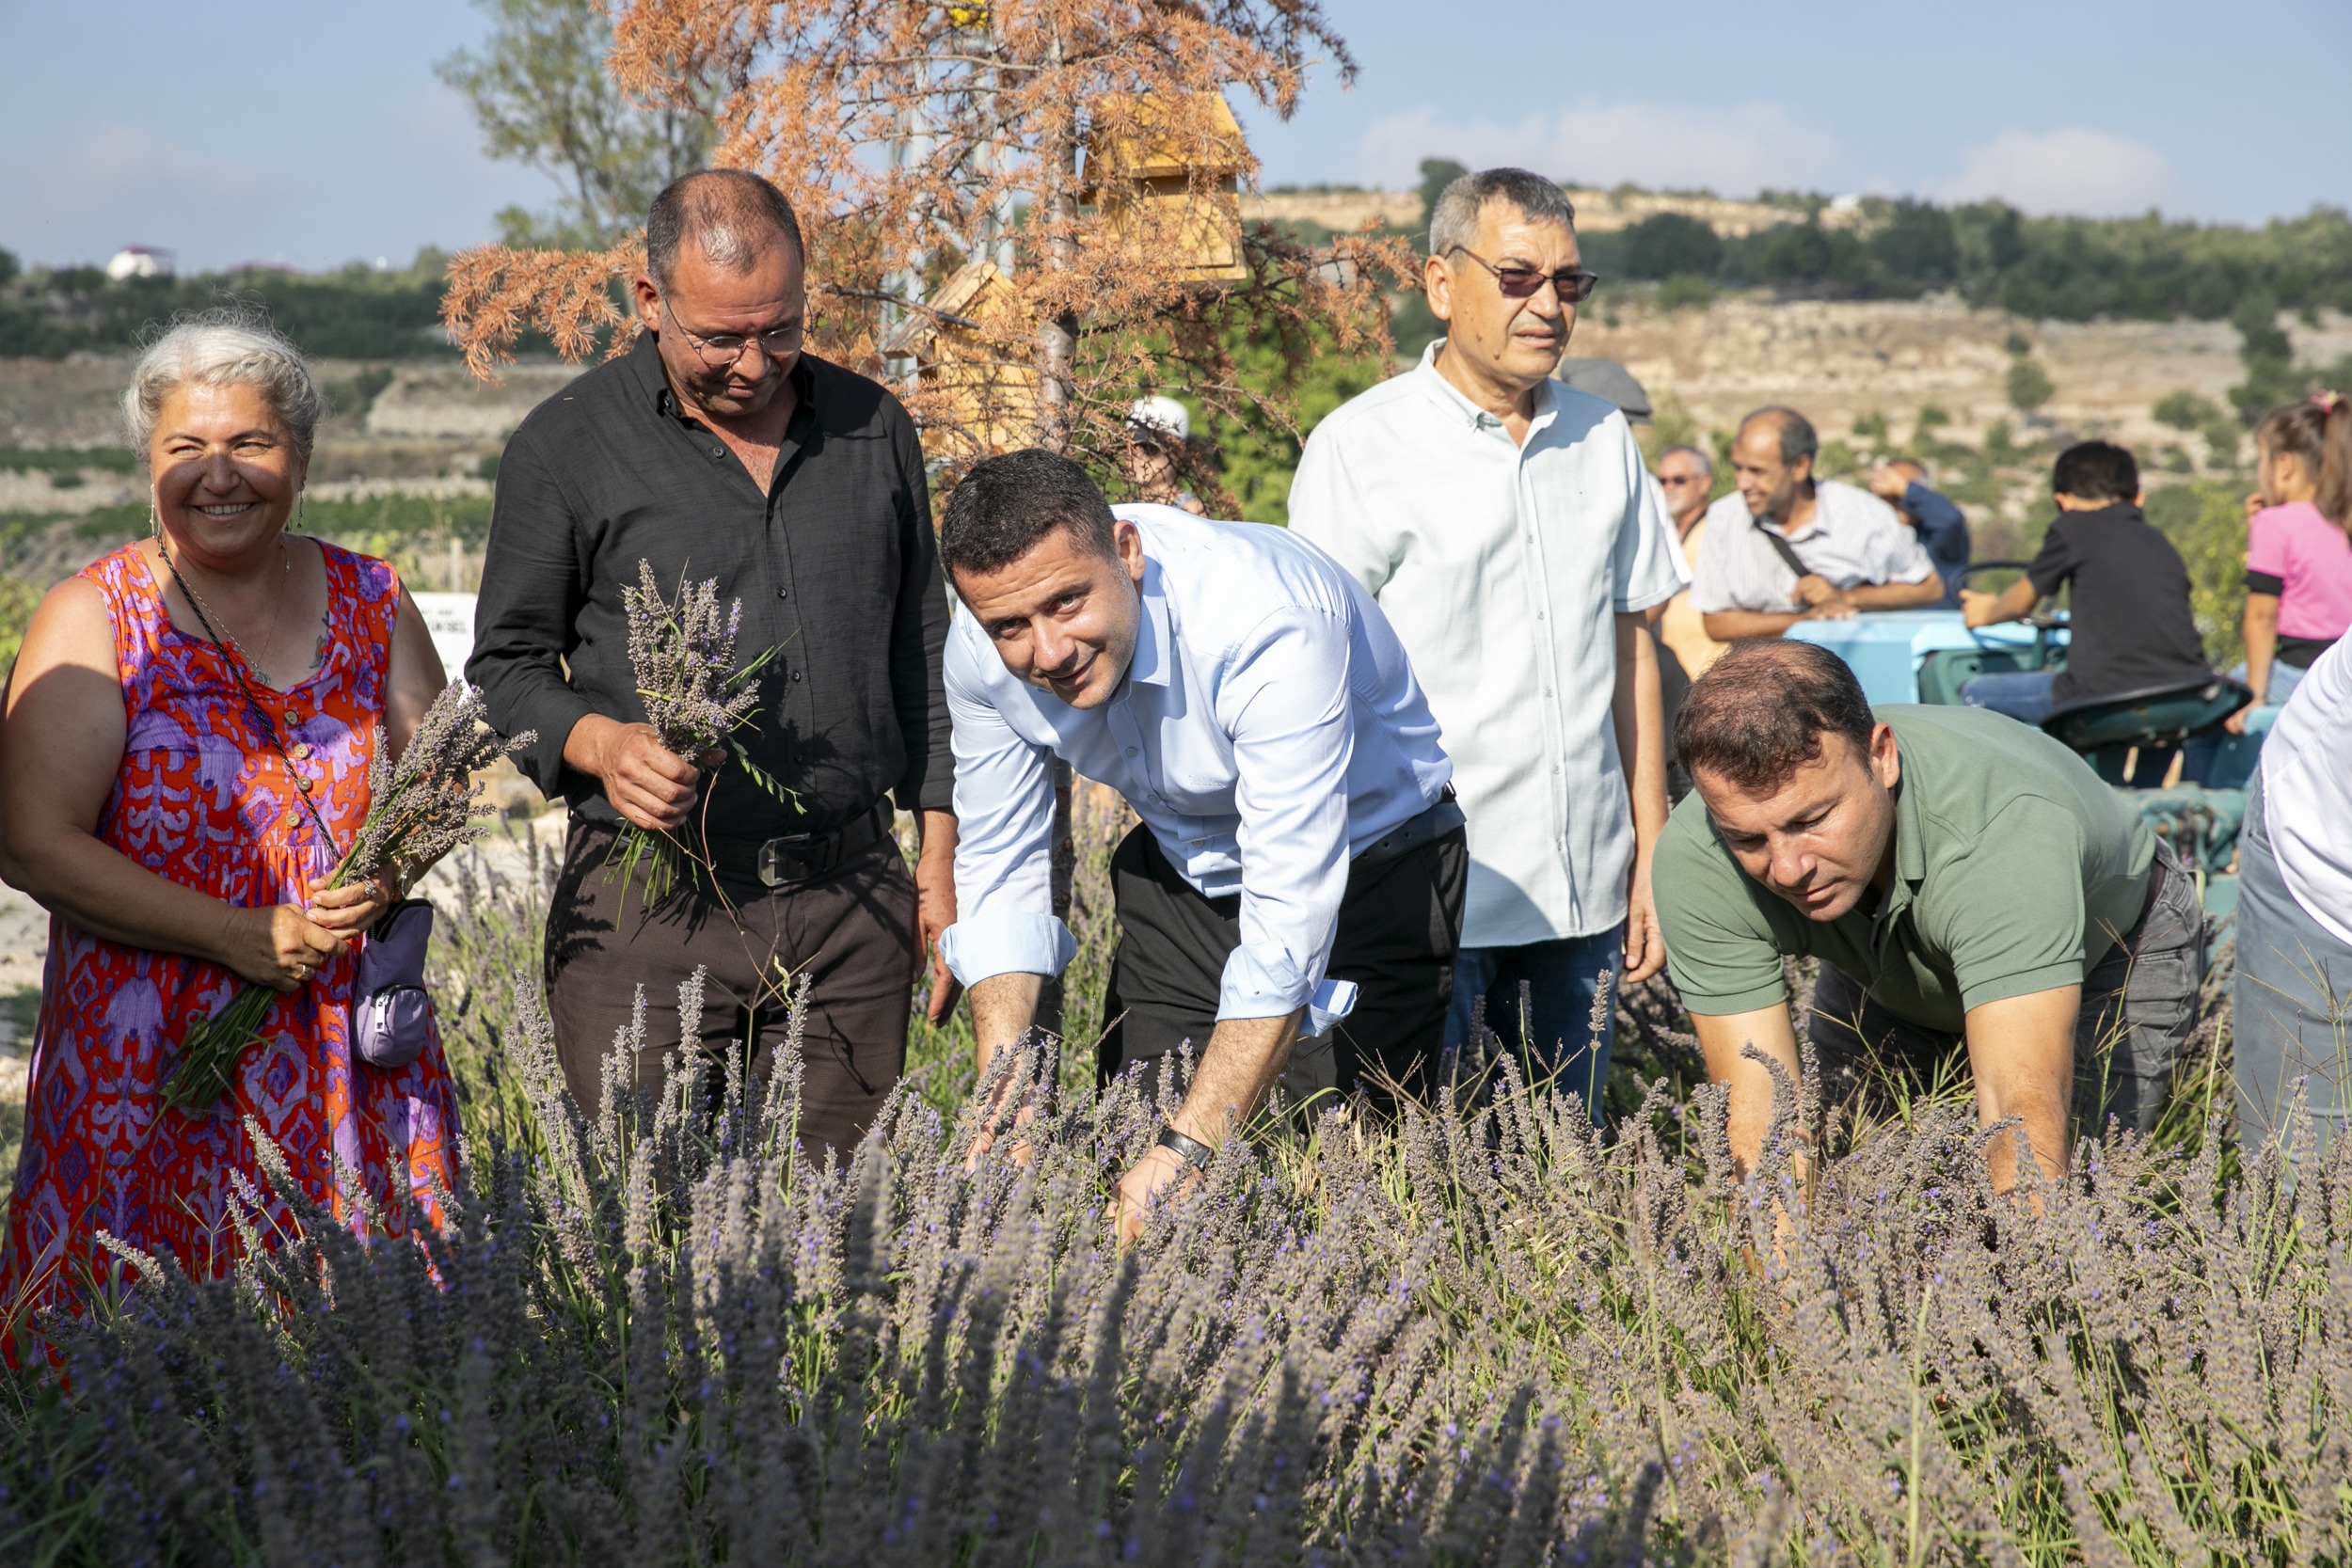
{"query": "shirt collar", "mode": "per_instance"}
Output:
(1450, 398)
(1820, 517)
(1153, 664)
(644, 359)
(1911, 852)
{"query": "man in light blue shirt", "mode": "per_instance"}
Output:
(1300, 862)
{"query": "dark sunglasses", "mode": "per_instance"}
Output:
(1573, 287)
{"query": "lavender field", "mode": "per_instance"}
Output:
(1483, 1337)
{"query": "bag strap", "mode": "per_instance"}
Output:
(1781, 547)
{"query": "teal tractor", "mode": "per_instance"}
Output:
(1930, 656)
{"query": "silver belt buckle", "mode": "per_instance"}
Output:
(771, 875)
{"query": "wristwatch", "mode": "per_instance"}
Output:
(1192, 1152)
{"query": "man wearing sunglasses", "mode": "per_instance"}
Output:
(1506, 526)
(716, 448)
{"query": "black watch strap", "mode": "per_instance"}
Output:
(1191, 1151)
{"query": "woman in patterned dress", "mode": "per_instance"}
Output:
(155, 804)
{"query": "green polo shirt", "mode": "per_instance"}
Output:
(2015, 870)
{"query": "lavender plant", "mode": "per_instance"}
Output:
(1489, 1334)
(698, 701)
(420, 808)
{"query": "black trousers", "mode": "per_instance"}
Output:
(852, 932)
(1399, 927)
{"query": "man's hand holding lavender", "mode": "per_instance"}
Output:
(649, 785)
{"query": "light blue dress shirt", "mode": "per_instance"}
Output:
(1268, 728)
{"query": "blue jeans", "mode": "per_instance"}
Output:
(1563, 979)
(2291, 1013)
(2024, 695)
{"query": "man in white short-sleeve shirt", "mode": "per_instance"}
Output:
(1785, 546)
(1506, 525)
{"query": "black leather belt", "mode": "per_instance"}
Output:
(804, 857)
(1405, 837)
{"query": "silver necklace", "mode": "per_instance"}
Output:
(218, 623)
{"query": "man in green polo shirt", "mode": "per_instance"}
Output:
(1960, 876)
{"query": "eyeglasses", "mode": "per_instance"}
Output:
(723, 349)
(1681, 479)
(1573, 287)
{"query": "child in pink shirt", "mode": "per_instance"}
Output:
(2299, 555)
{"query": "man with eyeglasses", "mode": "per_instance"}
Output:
(716, 448)
(1505, 524)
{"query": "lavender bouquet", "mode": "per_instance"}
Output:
(682, 656)
(419, 809)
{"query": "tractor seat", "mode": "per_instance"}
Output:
(2151, 715)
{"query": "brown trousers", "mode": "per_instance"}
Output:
(850, 932)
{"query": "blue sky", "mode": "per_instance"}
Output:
(313, 132)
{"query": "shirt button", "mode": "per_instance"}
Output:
(303, 784)
(784, 593)
(1131, 751)
(796, 675)
(1539, 615)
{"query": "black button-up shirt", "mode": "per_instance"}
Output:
(834, 565)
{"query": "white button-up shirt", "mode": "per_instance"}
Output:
(1268, 728)
(1502, 567)
(1853, 540)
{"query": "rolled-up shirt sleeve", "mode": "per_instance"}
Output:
(1285, 703)
(1004, 803)
(533, 585)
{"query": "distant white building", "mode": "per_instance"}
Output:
(139, 260)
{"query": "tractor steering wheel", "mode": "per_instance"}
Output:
(2042, 619)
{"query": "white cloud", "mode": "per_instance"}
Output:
(1733, 150)
(2070, 169)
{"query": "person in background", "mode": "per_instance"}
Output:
(2299, 546)
(1785, 546)
(1298, 868)
(1966, 883)
(1157, 428)
(1687, 478)
(1942, 527)
(2129, 622)
(715, 448)
(188, 734)
(1506, 525)
(2288, 1008)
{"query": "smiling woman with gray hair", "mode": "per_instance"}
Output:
(184, 750)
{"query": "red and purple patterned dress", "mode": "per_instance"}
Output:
(204, 799)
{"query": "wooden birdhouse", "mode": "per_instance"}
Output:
(1161, 192)
(982, 390)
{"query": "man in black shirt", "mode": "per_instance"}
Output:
(715, 448)
(2129, 623)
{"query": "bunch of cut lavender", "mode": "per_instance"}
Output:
(418, 809)
(682, 656)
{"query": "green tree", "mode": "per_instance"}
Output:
(2267, 355)
(2029, 386)
(1665, 245)
(543, 97)
(2185, 410)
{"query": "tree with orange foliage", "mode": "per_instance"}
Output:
(1036, 202)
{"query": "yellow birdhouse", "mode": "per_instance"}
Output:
(983, 391)
(1170, 195)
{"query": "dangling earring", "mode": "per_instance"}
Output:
(154, 516)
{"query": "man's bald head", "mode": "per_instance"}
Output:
(1791, 430)
(733, 216)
